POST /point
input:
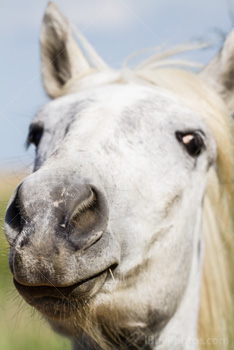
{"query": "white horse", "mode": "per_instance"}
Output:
(122, 237)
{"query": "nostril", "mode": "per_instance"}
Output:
(14, 217)
(83, 217)
(88, 219)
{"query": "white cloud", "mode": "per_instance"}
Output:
(101, 14)
(108, 13)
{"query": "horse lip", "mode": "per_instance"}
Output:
(80, 289)
(57, 302)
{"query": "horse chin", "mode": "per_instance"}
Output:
(57, 303)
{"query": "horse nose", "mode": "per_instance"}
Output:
(72, 212)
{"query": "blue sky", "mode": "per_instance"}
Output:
(115, 28)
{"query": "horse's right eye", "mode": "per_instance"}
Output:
(192, 141)
(35, 134)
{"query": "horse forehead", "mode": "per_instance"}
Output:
(112, 102)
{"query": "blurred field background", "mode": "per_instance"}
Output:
(21, 328)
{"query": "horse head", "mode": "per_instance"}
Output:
(106, 235)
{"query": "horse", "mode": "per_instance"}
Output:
(122, 236)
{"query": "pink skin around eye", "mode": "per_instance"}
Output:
(186, 139)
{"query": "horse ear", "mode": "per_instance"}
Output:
(61, 57)
(220, 72)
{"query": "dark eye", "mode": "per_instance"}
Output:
(35, 134)
(192, 141)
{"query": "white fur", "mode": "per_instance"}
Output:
(131, 152)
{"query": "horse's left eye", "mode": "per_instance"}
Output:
(35, 134)
(192, 141)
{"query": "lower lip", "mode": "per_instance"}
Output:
(57, 302)
(54, 308)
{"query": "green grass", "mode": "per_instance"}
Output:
(21, 328)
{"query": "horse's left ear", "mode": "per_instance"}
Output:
(220, 72)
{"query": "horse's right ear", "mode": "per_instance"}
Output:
(61, 57)
(220, 72)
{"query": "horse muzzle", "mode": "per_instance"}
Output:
(60, 246)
